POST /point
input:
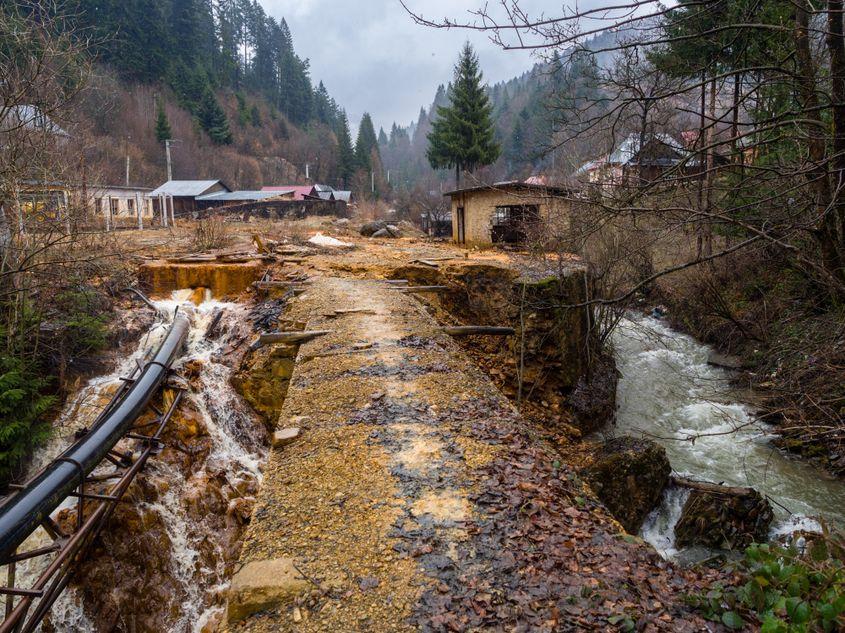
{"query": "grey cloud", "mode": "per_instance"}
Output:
(373, 57)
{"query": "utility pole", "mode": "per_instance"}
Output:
(167, 144)
(373, 181)
(307, 172)
(128, 138)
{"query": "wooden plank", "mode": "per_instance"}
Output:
(271, 338)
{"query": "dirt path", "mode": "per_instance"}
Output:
(417, 499)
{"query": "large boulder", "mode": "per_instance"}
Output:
(723, 518)
(629, 474)
(370, 228)
(388, 231)
(264, 586)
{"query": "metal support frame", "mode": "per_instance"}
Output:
(74, 474)
(93, 512)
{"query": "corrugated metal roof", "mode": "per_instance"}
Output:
(241, 196)
(345, 196)
(300, 191)
(186, 188)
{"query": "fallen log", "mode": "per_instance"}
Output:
(271, 338)
(711, 488)
(395, 282)
(473, 330)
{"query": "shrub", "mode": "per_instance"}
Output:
(785, 590)
(22, 407)
(210, 233)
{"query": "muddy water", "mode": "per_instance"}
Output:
(196, 563)
(669, 393)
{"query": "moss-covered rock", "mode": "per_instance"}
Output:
(629, 475)
(723, 518)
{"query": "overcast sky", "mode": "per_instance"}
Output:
(374, 58)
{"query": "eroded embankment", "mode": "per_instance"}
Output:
(417, 498)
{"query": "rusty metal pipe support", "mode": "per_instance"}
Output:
(24, 511)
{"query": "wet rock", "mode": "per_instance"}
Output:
(284, 437)
(726, 361)
(722, 517)
(370, 228)
(264, 585)
(263, 379)
(388, 232)
(629, 475)
(593, 401)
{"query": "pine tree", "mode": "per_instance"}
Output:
(163, 131)
(213, 119)
(346, 154)
(366, 143)
(462, 136)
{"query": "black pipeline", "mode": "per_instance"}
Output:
(25, 511)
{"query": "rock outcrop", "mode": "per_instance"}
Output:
(722, 517)
(629, 475)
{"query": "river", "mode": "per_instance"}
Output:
(669, 392)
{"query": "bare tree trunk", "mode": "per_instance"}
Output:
(700, 145)
(834, 220)
(817, 175)
(711, 170)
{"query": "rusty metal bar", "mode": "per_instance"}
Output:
(69, 475)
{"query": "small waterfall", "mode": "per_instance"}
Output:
(199, 549)
(669, 392)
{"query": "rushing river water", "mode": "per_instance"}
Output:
(236, 451)
(670, 393)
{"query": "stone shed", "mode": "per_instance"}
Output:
(505, 213)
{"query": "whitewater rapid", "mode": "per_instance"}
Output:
(669, 393)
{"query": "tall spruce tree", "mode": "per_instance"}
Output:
(345, 151)
(213, 119)
(462, 136)
(163, 131)
(366, 144)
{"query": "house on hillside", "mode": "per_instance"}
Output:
(631, 164)
(506, 212)
(32, 119)
(184, 193)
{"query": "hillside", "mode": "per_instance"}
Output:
(233, 92)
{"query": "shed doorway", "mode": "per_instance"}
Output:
(511, 223)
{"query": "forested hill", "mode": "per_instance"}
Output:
(230, 86)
